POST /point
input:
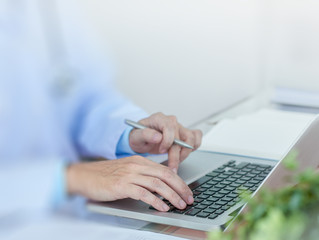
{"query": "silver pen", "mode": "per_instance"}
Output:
(140, 126)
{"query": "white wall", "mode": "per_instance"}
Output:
(183, 57)
(193, 58)
(291, 43)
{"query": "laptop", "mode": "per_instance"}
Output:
(216, 180)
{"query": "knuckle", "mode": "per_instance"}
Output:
(173, 118)
(156, 183)
(167, 174)
(131, 166)
(142, 193)
(174, 197)
(156, 202)
(158, 114)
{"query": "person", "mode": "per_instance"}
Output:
(57, 99)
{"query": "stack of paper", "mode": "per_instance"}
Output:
(265, 134)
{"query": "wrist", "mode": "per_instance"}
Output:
(71, 179)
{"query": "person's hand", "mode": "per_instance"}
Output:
(133, 177)
(159, 138)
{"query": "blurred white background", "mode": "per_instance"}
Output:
(194, 58)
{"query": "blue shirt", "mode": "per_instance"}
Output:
(56, 93)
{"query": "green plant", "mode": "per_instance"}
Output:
(289, 213)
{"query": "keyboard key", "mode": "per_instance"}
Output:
(203, 196)
(248, 185)
(223, 176)
(203, 215)
(245, 178)
(213, 216)
(232, 203)
(192, 212)
(200, 189)
(229, 188)
(246, 170)
(232, 179)
(250, 175)
(198, 200)
(240, 181)
(232, 195)
(209, 192)
(212, 182)
(199, 182)
(205, 185)
(178, 211)
(242, 165)
(219, 211)
(207, 203)
(212, 174)
(214, 189)
(225, 182)
(227, 199)
(196, 193)
(236, 185)
(225, 208)
(201, 206)
(221, 202)
(209, 210)
(218, 179)
(215, 206)
(213, 199)
(263, 165)
(223, 191)
(254, 181)
(218, 195)
(220, 185)
(219, 170)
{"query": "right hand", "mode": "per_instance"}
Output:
(133, 177)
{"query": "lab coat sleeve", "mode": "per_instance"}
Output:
(93, 109)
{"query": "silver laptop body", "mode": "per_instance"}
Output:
(200, 163)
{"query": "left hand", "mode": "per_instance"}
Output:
(159, 138)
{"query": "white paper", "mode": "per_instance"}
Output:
(295, 97)
(265, 134)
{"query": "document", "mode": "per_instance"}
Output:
(265, 134)
(294, 97)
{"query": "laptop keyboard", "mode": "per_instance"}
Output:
(219, 190)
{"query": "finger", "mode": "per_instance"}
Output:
(189, 137)
(140, 193)
(170, 178)
(147, 135)
(198, 138)
(174, 157)
(168, 137)
(164, 124)
(184, 154)
(154, 184)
